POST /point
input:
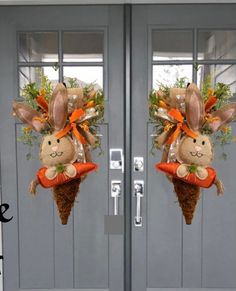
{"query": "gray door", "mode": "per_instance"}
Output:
(172, 41)
(39, 253)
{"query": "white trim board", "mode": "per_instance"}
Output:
(91, 2)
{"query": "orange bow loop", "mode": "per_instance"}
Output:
(180, 126)
(176, 114)
(71, 126)
(77, 115)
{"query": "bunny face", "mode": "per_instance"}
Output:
(196, 151)
(56, 151)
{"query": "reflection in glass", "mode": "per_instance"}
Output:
(172, 45)
(38, 47)
(83, 46)
(33, 75)
(218, 73)
(84, 75)
(168, 74)
(217, 44)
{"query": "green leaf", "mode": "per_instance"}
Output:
(192, 169)
(60, 168)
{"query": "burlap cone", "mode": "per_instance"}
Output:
(64, 196)
(188, 196)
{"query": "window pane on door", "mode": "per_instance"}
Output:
(216, 44)
(169, 74)
(84, 75)
(34, 75)
(83, 46)
(172, 45)
(38, 47)
(218, 73)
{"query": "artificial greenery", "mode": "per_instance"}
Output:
(32, 90)
(29, 139)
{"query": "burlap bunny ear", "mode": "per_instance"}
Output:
(222, 117)
(28, 116)
(58, 107)
(194, 107)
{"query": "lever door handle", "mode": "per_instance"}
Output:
(115, 194)
(138, 193)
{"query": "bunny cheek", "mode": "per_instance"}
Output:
(195, 152)
(54, 152)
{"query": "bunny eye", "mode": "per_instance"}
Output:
(203, 142)
(49, 142)
(58, 140)
(194, 140)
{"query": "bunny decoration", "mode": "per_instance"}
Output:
(64, 150)
(186, 126)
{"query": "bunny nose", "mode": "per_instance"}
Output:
(54, 149)
(197, 148)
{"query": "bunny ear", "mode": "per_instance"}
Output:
(28, 115)
(58, 107)
(222, 116)
(194, 107)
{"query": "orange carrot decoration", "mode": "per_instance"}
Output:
(81, 170)
(42, 103)
(210, 103)
(191, 178)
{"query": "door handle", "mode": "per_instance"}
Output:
(115, 194)
(138, 193)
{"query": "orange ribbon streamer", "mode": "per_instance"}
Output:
(71, 126)
(176, 114)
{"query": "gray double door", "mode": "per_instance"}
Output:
(93, 43)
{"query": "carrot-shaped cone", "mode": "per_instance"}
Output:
(64, 196)
(65, 188)
(187, 188)
(188, 196)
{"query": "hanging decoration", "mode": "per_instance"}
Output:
(66, 123)
(185, 122)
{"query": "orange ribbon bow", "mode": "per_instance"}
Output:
(71, 126)
(176, 115)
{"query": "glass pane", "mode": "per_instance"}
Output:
(217, 44)
(218, 73)
(168, 74)
(83, 47)
(34, 75)
(84, 75)
(172, 45)
(38, 47)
